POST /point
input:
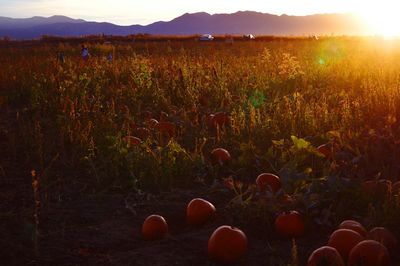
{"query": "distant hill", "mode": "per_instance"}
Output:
(242, 22)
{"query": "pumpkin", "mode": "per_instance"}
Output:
(142, 132)
(152, 123)
(325, 256)
(167, 127)
(209, 120)
(199, 211)
(290, 224)
(369, 253)
(154, 227)
(383, 236)
(325, 149)
(268, 181)
(219, 119)
(235, 98)
(220, 155)
(343, 240)
(132, 141)
(227, 244)
(163, 116)
(355, 226)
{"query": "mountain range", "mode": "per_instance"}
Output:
(242, 22)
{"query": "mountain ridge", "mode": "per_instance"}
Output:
(241, 22)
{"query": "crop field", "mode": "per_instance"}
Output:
(90, 148)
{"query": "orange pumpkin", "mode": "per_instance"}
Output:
(227, 244)
(209, 119)
(383, 236)
(220, 155)
(152, 123)
(199, 211)
(268, 181)
(326, 150)
(369, 253)
(132, 141)
(235, 98)
(290, 224)
(163, 116)
(219, 119)
(154, 227)
(325, 256)
(343, 240)
(142, 132)
(353, 225)
(167, 127)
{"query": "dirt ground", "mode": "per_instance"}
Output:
(105, 230)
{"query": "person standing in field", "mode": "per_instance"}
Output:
(61, 57)
(85, 53)
(110, 57)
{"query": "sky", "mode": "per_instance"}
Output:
(128, 12)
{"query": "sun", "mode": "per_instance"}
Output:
(381, 17)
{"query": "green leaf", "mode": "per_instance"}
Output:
(300, 143)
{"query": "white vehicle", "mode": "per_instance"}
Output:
(249, 36)
(206, 38)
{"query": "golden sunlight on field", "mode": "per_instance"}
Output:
(381, 17)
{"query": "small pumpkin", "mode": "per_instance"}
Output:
(355, 226)
(383, 236)
(132, 141)
(167, 127)
(154, 227)
(220, 155)
(267, 181)
(219, 119)
(369, 253)
(227, 244)
(290, 224)
(152, 123)
(325, 149)
(325, 256)
(199, 211)
(343, 240)
(142, 132)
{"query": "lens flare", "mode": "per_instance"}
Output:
(381, 17)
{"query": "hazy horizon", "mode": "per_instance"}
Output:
(151, 22)
(124, 12)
